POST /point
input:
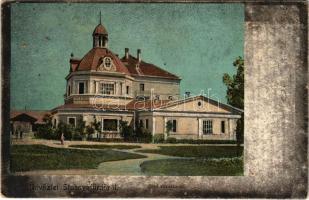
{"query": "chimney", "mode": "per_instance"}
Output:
(139, 57)
(126, 51)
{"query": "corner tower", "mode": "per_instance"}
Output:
(100, 36)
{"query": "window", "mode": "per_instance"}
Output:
(142, 87)
(107, 62)
(72, 121)
(199, 104)
(69, 90)
(81, 88)
(141, 124)
(170, 97)
(207, 127)
(110, 124)
(147, 123)
(174, 127)
(128, 90)
(107, 88)
(222, 126)
(157, 97)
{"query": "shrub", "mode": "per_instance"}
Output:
(147, 137)
(168, 126)
(171, 140)
(80, 129)
(126, 131)
(143, 135)
(66, 129)
(158, 138)
(77, 136)
(45, 132)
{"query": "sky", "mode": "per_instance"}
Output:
(197, 42)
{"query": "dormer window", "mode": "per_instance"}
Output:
(107, 63)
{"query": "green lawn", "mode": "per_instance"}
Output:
(107, 146)
(41, 157)
(193, 167)
(200, 151)
(198, 160)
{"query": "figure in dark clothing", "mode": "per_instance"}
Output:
(21, 134)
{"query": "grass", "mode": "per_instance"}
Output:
(193, 167)
(199, 151)
(107, 146)
(41, 157)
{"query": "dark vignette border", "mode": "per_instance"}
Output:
(15, 186)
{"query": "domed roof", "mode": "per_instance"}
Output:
(93, 59)
(100, 29)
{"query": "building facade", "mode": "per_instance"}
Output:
(102, 86)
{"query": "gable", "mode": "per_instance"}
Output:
(199, 104)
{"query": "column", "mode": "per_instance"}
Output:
(153, 125)
(200, 128)
(228, 128)
(164, 127)
(90, 87)
(116, 88)
(97, 87)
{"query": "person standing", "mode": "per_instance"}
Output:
(62, 138)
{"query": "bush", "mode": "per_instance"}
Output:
(45, 132)
(171, 140)
(106, 139)
(77, 136)
(143, 135)
(191, 141)
(126, 131)
(66, 129)
(158, 138)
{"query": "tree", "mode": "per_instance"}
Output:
(96, 125)
(235, 94)
(126, 131)
(169, 126)
(80, 129)
(89, 130)
(47, 118)
(66, 129)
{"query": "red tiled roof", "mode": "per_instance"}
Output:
(100, 29)
(74, 63)
(145, 69)
(89, 106)
(92, 60)
(132, 105)
(146, 104)
(39, 115)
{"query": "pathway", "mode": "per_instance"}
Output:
(129, 167)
